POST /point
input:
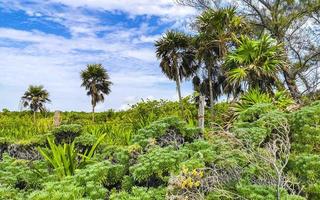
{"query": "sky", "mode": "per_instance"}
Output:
(49, 42)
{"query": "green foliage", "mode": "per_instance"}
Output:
(252, 97)
(254, 63)
(148, 163)
(35, 98)
(161, 127)
(63, 158)
(257, 123)
(260, 192)
(66, 133)
(19, 128)
(87, 183)
(116, 134)
(280, 100)
(306, 168)
(13, 172)
(221, 114)
(254, 112)
(88, 154)
(158, 163)
(305, 129)
(10, 193)
(140, 193)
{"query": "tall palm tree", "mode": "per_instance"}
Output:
(177, 59)
(216, 29)
(96, 81)
(255, 64)
(35, 98)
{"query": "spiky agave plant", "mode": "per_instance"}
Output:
(63, 157)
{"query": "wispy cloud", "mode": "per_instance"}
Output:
(38, 56)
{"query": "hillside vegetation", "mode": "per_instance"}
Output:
(148, 152)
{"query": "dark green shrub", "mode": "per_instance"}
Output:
(139, 193)
(306, 168)
(21, 174)
(157, 163)
(257, 131)
(305, 127)
(87, 183)
(66, 133)
(165, 127)
(263, 192)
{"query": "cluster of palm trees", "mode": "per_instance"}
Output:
(224, 57)
(95, 80)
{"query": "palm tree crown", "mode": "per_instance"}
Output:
(173, 51)
(255, 63)
(177, 58)
(35, 98)
(216, 32)
(96, 81)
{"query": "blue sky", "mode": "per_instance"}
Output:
(49, 42)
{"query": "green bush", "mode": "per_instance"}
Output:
(66, 133)
(157, 163)
(263, 192)
(139, 193)
(305, 127)
(162, 127)
(87, 183)
(21, 174)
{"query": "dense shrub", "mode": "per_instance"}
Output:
(66, 133)
(305, 125)
(139, 193)
(166, 126)
(156, 165)
(86, 183)
(21, 174)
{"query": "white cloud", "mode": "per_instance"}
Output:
(36, 57)
(55, 62)
(134, 7)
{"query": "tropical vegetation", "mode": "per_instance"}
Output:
(261, 113)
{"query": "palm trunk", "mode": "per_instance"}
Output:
(179, 89)
(34, 116)
(93, 112)
(211, 90)
(201, 112)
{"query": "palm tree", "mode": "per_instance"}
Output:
(216, 29)
(177, 59)
(96, 81)
(255, 64)
(35, 98)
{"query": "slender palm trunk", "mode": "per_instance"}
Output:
(210, 89)
(93, 112)
(179, 89)
(34, 116)
(201, 112)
